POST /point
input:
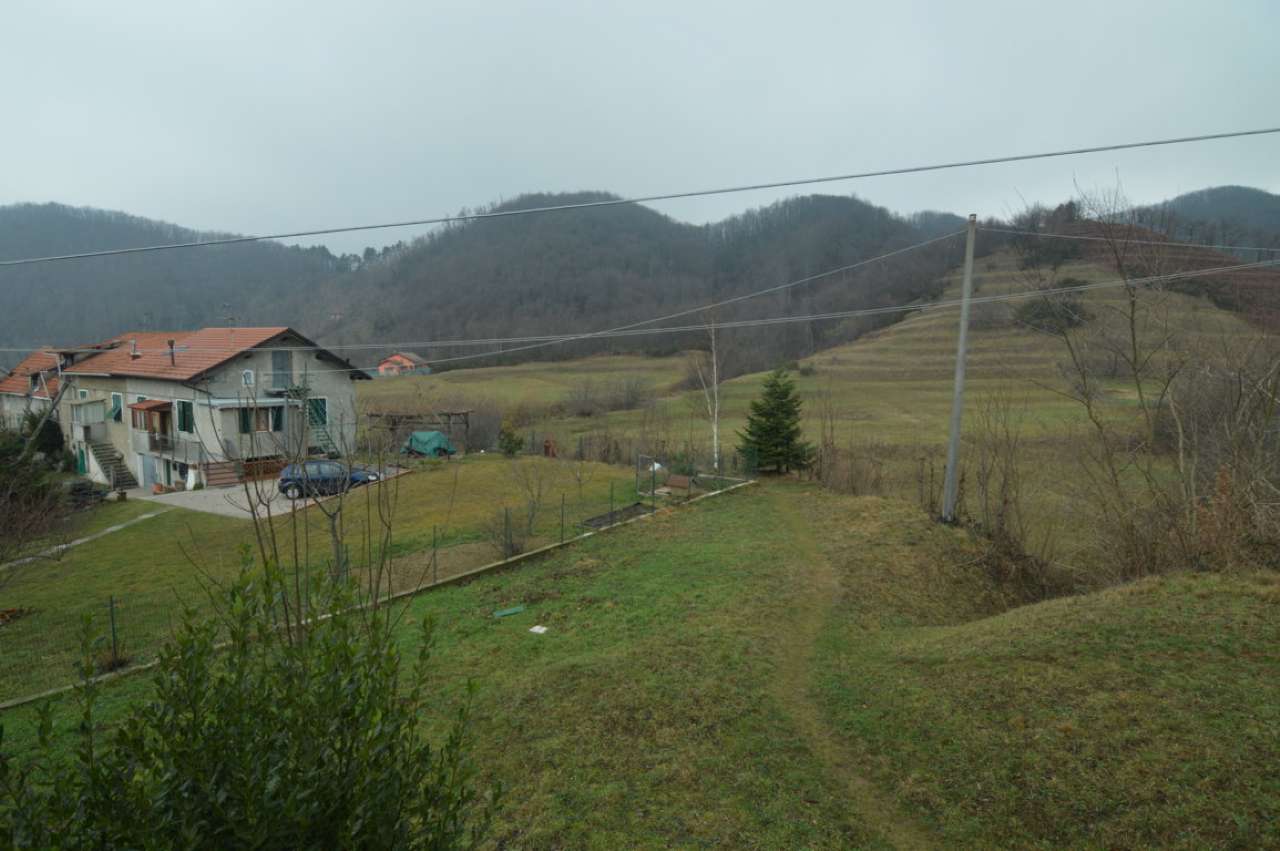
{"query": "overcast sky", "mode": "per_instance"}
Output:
(259, 117)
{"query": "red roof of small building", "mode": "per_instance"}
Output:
(411, 357)
(18, 381)
(146, 354)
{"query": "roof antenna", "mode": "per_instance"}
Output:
(172, 359)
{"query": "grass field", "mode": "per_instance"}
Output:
(156, 567)
(536, 384)
(891, 393)
(786, 667)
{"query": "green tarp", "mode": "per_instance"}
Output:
(430, 443)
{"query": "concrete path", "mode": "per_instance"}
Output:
(229, 502)
(61, 548)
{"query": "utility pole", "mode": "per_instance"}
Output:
(951, 483)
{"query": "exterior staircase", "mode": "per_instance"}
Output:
(317, 427)
(113, 466)
(221, 474)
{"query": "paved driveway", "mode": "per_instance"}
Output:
(233, 501)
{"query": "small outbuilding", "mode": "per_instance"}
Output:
(403, 363)
(430, 444)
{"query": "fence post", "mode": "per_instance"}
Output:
(115, 642)
(435, 565)
(637, 475)
(506, 513)
(653, 486)
(562, 518)
(610, 501)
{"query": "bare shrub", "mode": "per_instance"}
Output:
(1018, 553)
(534, 480)
(629, 393)
(505, 533)
(583, 399)
(486, 421)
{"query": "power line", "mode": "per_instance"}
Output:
(1156, 242)
(922, 307)
(422, 344)
(670, 196)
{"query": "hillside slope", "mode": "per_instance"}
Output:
(784, 667)
(1234, 215)
(586, 270)
(1140, 716)
(78, 301)
(569, 271)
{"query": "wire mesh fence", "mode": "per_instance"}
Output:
(433, 538)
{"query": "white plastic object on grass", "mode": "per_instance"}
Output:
(539, 629)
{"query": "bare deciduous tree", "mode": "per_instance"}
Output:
(708, 369)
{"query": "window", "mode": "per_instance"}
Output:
(117, 407)
(140, 399)
(260, 419)
(186, 417)
(246, 378)
(281, 368)
(84, 394)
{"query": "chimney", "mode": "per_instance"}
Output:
(172, 360)
(134, 354)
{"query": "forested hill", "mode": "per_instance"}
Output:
(77, 301)
(1234, 215)
(568, 271)
(585, 270)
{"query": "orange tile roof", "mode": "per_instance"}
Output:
(18, 380)
(195, 352)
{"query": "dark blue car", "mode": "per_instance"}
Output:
(316, 478)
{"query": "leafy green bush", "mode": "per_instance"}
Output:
(509, 441)
(295, 735)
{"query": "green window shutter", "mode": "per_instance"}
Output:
(246, 420)
(277, 419)
(186, 417)
(117, 407)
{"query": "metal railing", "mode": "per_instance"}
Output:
(179, 447)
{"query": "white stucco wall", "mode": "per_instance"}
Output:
(215, 399)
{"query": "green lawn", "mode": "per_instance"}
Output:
(784, 667)
(158, 566)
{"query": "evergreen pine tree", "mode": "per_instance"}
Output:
(772, 439)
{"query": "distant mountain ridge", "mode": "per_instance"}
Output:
(74, 301)
(1233, 215)
(570, 271)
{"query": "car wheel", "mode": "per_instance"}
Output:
(292, 491)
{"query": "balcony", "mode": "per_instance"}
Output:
(178, 448)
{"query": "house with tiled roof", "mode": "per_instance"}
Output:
(31, 386)
(403, 363)
(187, 408)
